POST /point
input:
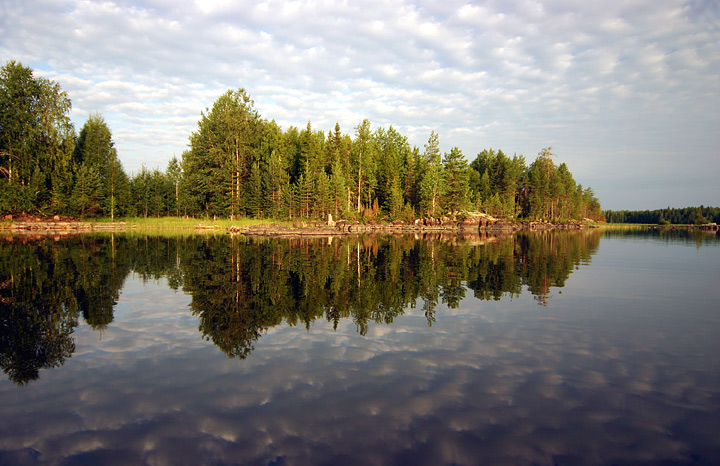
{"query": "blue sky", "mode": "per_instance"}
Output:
(626, 92)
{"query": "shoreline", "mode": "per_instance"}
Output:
(426, 228)
(52, 227)
(343, 228)
(704, 227)
(440, 226)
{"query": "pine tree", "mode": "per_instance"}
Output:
(456, 181)
(410, 183)
(95, 153)
(277, 185)
(393, 150)
(36, 140)
(364, 165)
(254, 191)
(338, 187)
(218, 163)
(538, 190)
(174, 175)
(431, 181)
(85, 200)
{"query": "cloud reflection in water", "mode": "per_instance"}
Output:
(491, 382)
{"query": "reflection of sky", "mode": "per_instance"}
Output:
(596, 377)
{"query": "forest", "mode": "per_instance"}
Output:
(241, 164)
(668, 216)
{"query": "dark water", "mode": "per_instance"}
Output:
(569, 348)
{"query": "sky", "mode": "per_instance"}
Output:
(627, 93)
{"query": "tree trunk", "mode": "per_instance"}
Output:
(359, 190)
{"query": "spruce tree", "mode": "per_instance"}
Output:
(95, 158)
(431, 181)
(36, 140)
(456, 181)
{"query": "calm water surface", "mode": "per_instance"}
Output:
(569, 348)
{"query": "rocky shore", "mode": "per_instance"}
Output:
(467, 224)
(59, 227)
(464, 224)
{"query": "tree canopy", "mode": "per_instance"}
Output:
(250, 167)
(36, 140)
(241, 164)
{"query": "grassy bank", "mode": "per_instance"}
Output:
(625, 225)
(178, 223)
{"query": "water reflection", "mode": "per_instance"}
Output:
(241, 287)
(619, 368)
(44, 287)
(698, 238)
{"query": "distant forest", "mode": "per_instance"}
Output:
(240, 164)
(684, 216)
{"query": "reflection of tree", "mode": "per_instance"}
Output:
(550, 258)
(45, 286)
(536, 260)
(241, 287)
(698, 238)
(225, 294)
(36, 314)
(35, 331)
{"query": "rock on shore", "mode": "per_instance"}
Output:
(462, 223)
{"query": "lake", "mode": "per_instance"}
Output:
(577, 348)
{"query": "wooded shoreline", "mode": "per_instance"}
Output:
(240, 164)
(704, 227)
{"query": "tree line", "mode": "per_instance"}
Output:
(241, 287)
(668, 216)
(240, 164)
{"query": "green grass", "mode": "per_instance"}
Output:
(172, 223)
(625, 225)
(172, 226)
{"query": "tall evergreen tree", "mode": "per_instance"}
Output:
(456, 180)
(85, 200)
(393, 152)
(95, 157)
(338, 167)
(364, 165)
(174, 174)
(275, 166)
(36, 140)
(412, 164)
(538, 190)
(431, 181)
(219, 160)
